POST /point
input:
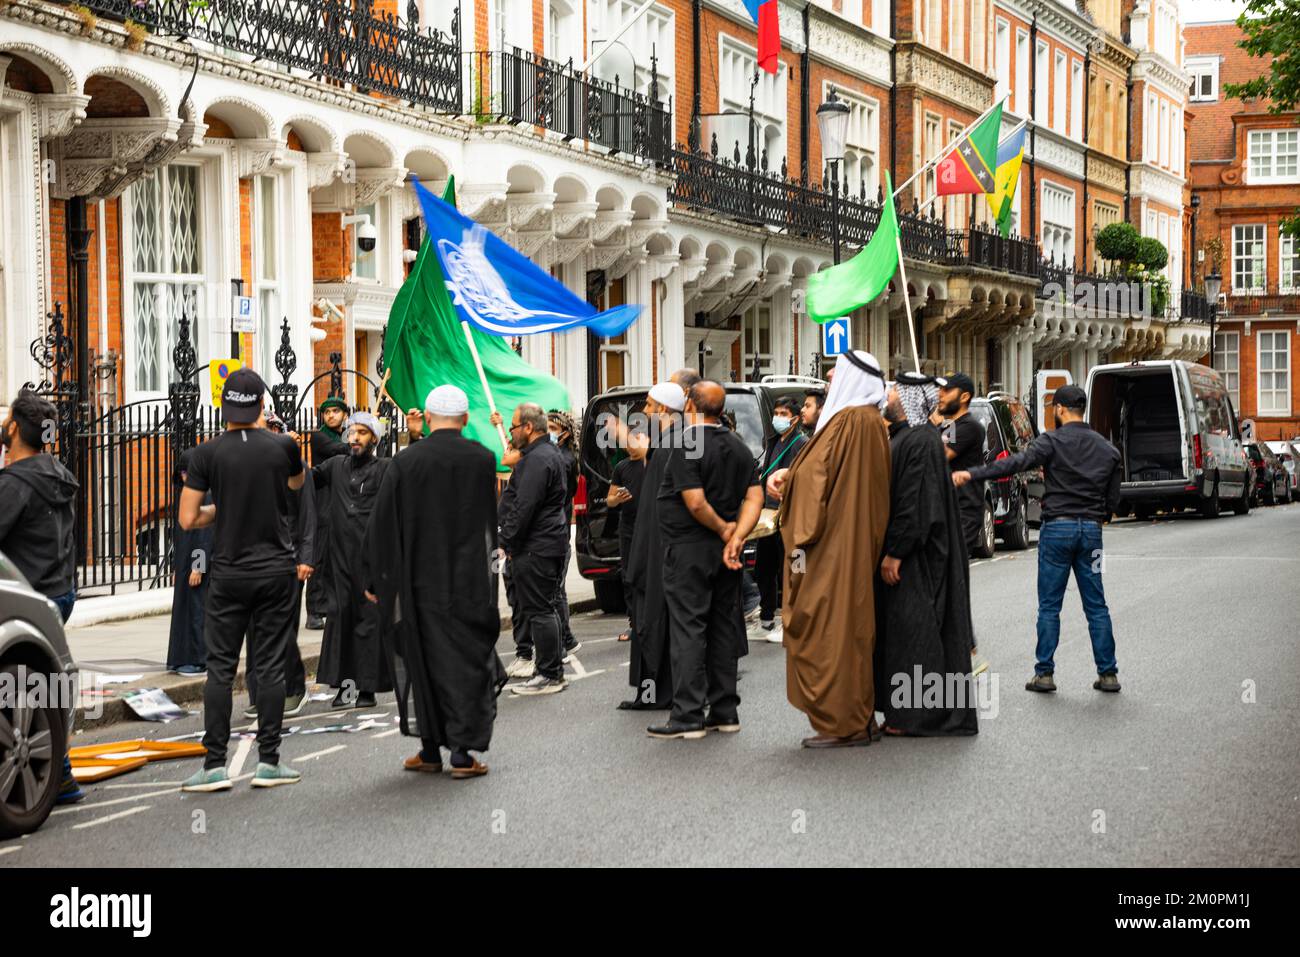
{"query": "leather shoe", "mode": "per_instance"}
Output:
(417, 763)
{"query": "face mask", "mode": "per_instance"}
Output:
(555, 437)
(781, 424)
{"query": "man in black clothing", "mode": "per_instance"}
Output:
(1081, 478)
(535, 536)
(964, 438)
(780, 453)
(622, 499)
(813, 400)
(302, 522)
(709, 502)
(38, 518)
(250, 473)
(326, 443)
(351, 658)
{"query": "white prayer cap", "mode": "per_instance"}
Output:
(447, 400)
(669, 395)
(367, 420)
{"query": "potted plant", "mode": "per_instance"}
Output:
(135, 34)
(88, 19)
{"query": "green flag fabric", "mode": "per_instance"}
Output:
(425, 347)
(841, 289)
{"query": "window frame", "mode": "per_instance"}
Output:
(1228, 343)
(1271, 151)
(1262, 259)
(1284, 410)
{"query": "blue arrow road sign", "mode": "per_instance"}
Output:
(836, 335)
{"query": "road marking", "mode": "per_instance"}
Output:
(318, 754)
(148, 784)
(73, 809)
(10, 850)
(112, 817)
(385, 734)
(1202, 558)
(241, 755)
(581, 672)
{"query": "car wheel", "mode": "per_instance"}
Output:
(986, 543)
(1210, 505)
(1242, 505)
(1016, 534)
(33, 742)
(609, 596)
(1270, 497)
(1143, 513)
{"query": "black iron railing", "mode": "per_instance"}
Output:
(518, 86)
(1259, 302)
(1195, 307)
(340, 41)
(989, 249)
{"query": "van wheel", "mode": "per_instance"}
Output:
(986, 543)
(1210, 505)
(1270, 497)
(1016, 535)
(33, 742)
(1242, 505)
(609, 596)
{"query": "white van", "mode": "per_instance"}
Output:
(1177, 432)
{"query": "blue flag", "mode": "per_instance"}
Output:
(500, 291)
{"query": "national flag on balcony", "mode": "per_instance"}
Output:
(764, 15)
(425, 347)
(970, 166)
(498, 290)
(839, 290)
(1011, 152)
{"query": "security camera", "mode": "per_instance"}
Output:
(366, 237)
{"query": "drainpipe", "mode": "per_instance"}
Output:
(1128, 147)
(1087, 86)
(694, 135)
(805, 60)
(893, 90)
(1033, 127)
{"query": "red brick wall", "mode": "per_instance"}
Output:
(58, 233)
(330, 263)
(1214, 126)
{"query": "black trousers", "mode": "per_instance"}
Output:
(295, 672)
(562, 602)
(767, 570)
(257, 607)
(703, 598)
(536, 578)
(518, 624)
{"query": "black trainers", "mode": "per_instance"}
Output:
(1043, 683)
(315, 623)
(677, 729)
(539, 685)
(1107, 682)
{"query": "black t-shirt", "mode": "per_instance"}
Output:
(247, 472)
(712, 458)
(967, 440)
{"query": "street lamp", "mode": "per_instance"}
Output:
(833, 124)
(1191, 262)
(1213, 282)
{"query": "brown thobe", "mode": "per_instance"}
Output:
(833, 517)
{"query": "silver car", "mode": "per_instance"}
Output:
(38, 688)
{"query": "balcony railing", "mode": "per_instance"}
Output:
(1268, 300)
(338, 41)
(1195, 307)
(518, 86)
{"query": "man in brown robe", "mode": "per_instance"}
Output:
(834, 511)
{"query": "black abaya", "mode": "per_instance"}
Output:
(431, 553)
(923, 645)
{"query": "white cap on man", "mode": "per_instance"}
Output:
(669, 395)
(448, 400)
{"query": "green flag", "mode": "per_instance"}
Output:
(425, 347)
(841, 289)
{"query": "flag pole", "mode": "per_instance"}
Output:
(907, 299)
(482, 378)
(939, 157)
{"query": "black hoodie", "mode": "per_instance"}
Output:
(38, 522)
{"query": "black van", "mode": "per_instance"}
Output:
(1014, 504)
(596, 532)
(1176, 430)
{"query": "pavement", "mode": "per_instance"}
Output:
(113, 648)
(1195, 763)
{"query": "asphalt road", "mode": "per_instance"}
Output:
(1178, 769)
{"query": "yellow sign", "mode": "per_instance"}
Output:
(218, 369)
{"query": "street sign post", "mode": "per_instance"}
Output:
(836, 336)
(245, 315)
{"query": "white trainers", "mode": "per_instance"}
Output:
(978, 664)
(521, 668)
(774, 634)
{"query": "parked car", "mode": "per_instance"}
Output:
(34, 739)
(596, 533)
(1272, 485)
(1290, 458)
(1011, 505)
(1177, 433)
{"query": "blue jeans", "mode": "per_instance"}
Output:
(65, 603)
(1063, 544)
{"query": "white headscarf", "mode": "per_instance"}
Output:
(852, 386)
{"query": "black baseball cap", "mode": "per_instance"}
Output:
(961, 382)
(241, 397)
(1071, 397)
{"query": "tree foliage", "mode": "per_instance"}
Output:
(1271, 28)
(1151, 253)
(1118, 242)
